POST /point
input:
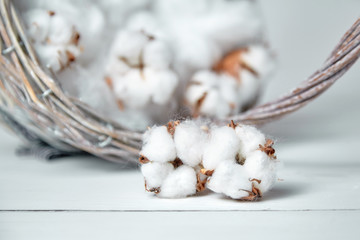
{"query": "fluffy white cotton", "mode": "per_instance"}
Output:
(223, 144)
(139, 68)
(158, 145)
(250, 138)
(194, 52)
(64, 20)
(54, 38)
(180, 183)
(231, 24)
(217, 92)
(155, 173)
(132, 89)
(116, 11)
(230, 179)
(259, 166)
(128, 46)
(190, 141)
(157, 55)
(162, 85)
(260, 59)
(249, 87)
(223, 159)
(146, 21)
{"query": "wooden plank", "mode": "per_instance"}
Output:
(179, 225)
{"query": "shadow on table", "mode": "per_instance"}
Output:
(281, 191)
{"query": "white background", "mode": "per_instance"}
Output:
(319, 197)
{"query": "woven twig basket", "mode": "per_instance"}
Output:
(33, 104)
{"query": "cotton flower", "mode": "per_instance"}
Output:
(233, 84)
(180, 183)
(190, 141)
(179, 145)
(251, 67)
(212, 94)
(235, 160)
(230, 179)
(139, 70)
(54, 37)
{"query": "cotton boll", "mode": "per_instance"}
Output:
(223, 144)
(158, 145)
(157, 55)
(249, 87)
(212, 94)
(38, 24)
(228, 88)
(260, 166)
(215, 105)
(180, 183)
(155, 173)
(230, 179)
(54, 38)
(132, 89)
(129, 45)
(250, 138)
(162, 85)
(190, 141)
(117, 11)
(61, 30)
(260, 59)
(178, 8)
(194, 51)
(91, 24)
(147, 22)
(232, 23)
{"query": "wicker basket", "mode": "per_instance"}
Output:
(35, 107)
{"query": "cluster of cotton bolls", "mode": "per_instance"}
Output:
(146, 61)
(139, 71)
(182, 158)
(232, 84)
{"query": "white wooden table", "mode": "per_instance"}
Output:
(318, 198)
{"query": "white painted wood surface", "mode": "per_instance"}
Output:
(319, 197)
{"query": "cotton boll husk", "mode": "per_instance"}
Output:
(190, 141)
(230, 179)
(162, 84)
(260, 166)
(223, 144)
(158, 145)
(260, 59)
(155, 173)
(180, 183)
(250, 138)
